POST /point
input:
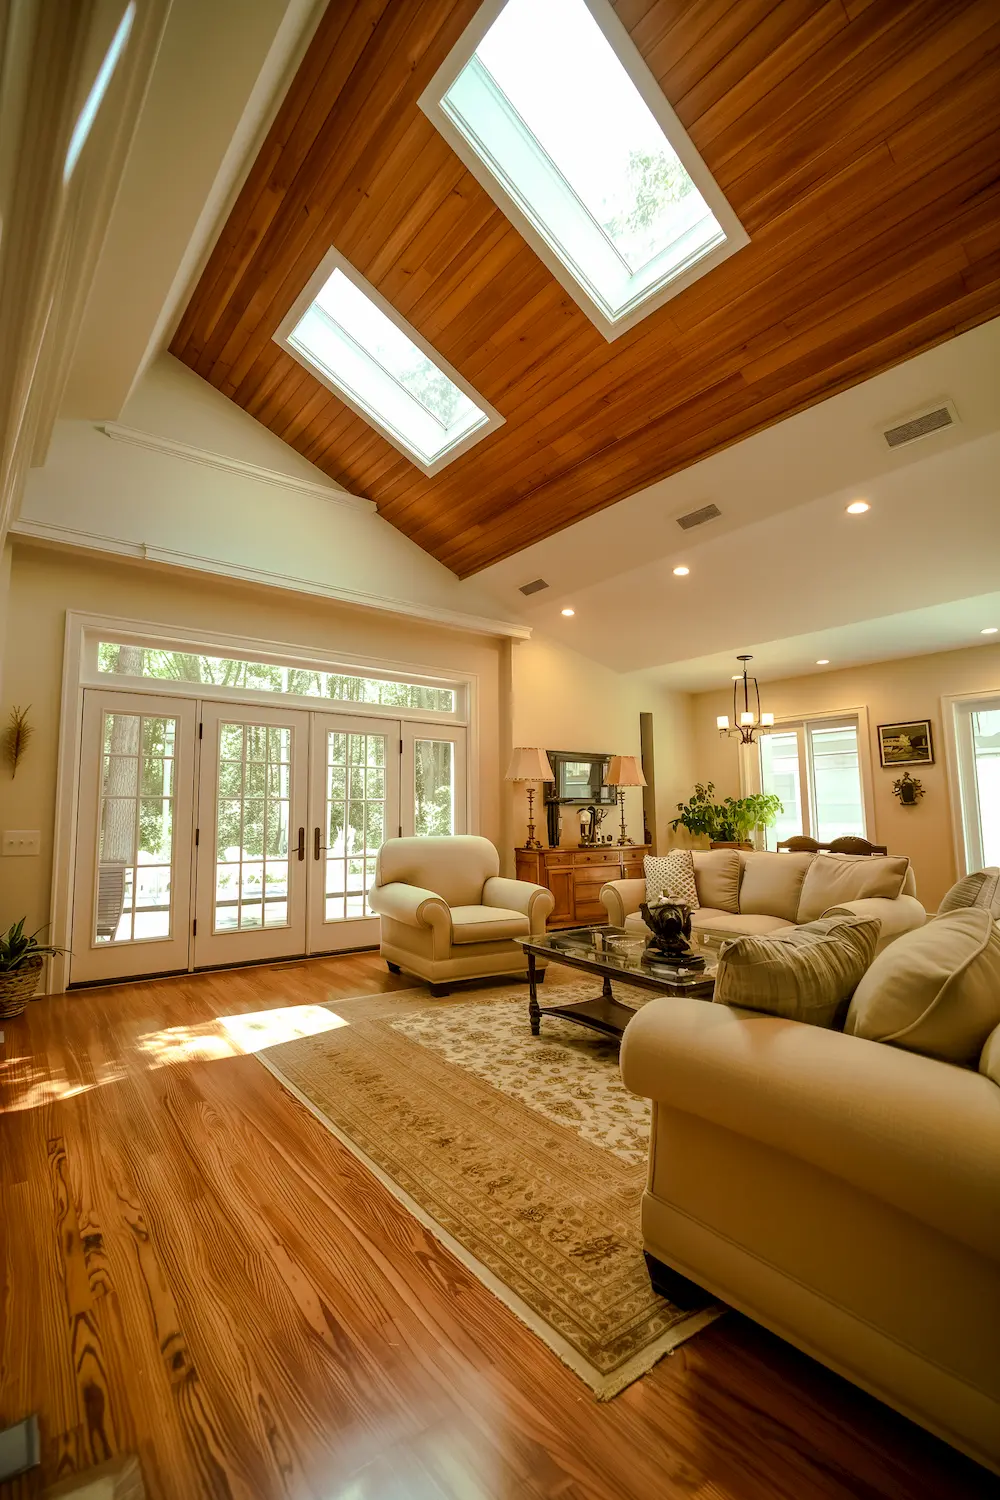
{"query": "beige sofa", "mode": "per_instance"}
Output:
(842, 1192)
(446, 912)
(775, 891)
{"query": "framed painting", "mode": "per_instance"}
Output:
(908, 744)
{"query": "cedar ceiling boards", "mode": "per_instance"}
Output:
(858, 142)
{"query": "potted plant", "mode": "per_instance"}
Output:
(21, 957)
(729, 824)
(744, 815)
(701, 814)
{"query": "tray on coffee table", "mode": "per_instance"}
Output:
(612, 953)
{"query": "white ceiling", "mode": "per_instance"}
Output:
(785, 567)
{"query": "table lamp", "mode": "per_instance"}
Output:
(530, 765)
(623, 771)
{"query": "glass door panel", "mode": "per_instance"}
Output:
(133, 865)
(355, 807)
(251, 834)
(434, 786)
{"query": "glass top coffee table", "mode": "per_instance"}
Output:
(612, 953)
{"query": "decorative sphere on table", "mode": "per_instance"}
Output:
(670, 924)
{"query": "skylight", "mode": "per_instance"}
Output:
(554, 111)
(359, 346)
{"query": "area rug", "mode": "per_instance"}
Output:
(524, 1155)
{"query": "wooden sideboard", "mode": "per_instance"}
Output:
(575, 877)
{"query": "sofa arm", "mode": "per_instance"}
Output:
(906, 1129)
(621, 898)
(897, 916)
(410, 904)
(536, 901)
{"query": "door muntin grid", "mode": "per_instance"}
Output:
(252, 819)
(355, 821)
(135, 829)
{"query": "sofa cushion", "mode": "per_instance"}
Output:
(772, 884)
(935, 990)
(989, 1058)
(635, 924)
(717, 876)
(671, 875)
(484, 924)
(981, 888)
(833, 878)
(806, 973)
(739, 923)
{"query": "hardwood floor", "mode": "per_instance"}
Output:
(193, 1270)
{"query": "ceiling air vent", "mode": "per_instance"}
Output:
(698, 517)
(920, 426)
(535, 587)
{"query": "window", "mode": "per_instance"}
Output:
(95, 98)
(977, 725)
(346, 333)
(554, 111)
(814, 769)
(268, 677)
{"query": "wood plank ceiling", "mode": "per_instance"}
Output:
(857, 140)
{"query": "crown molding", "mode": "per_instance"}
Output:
(212, 460)
(451, 619)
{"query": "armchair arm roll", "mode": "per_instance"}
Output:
(621, 898)
(914, 1132)
(412, 905)
(536, 901)
(898, 916)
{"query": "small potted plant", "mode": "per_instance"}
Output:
(701, 814)
(21, 956)
(745, 815)
(730, 824)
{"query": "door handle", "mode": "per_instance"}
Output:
(302, 843)
(316, 843)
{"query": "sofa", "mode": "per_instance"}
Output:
(749, 892)
(447, 914)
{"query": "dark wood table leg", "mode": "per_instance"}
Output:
(534, 1011)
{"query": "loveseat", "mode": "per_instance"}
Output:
(749, 892)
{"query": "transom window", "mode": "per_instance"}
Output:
(553, 109)
(358, 345)
(815, 770)
(236, 673)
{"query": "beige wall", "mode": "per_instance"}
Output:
(893, 692)
(561, 700)
(45, 583)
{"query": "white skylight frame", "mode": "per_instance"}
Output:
(647, 298)
(334, 261)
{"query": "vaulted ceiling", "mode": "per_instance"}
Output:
(857, 141)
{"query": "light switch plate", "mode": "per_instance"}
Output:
(21, 841)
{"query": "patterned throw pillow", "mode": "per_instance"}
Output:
(671, 876)
(981, 888)
(805, 973)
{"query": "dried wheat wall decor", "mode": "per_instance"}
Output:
(16, 737)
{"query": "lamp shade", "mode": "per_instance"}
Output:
(624, 770)
(529, 764)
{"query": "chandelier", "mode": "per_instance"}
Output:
(746, 723)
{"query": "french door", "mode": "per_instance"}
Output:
(217, 833)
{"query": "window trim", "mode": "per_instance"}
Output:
(332, 261)
(960, 769)
(750, 768)
(736, 237)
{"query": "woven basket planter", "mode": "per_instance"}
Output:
(17, 987)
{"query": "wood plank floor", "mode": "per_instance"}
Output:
(193, 1270)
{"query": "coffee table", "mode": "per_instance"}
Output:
(600, 950)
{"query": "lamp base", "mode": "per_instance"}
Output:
(532, 844)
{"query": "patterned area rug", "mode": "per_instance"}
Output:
(524, 1155)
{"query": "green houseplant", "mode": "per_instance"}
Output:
(733, 821)
(21, 957)
(701, 814)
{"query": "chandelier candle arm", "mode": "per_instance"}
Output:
(623, 771)
(530, 764)
(746, 722)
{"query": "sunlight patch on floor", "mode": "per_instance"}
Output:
(28, 1087)
(237, 1036)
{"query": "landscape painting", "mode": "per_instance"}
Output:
(906, 744)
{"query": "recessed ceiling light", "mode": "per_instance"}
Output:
(681, 572)
(824, 661)
(858, 507)
(990, 630)
(568, 612)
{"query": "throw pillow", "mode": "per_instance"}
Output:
(835, 878)
(806, 974)
(935, 990)
(989, 1061)
(717, 875)
(982, 888)
(671, 876)
(772, 884)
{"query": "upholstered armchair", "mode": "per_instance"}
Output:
(447, 914)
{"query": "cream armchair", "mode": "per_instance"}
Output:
(447, 913)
